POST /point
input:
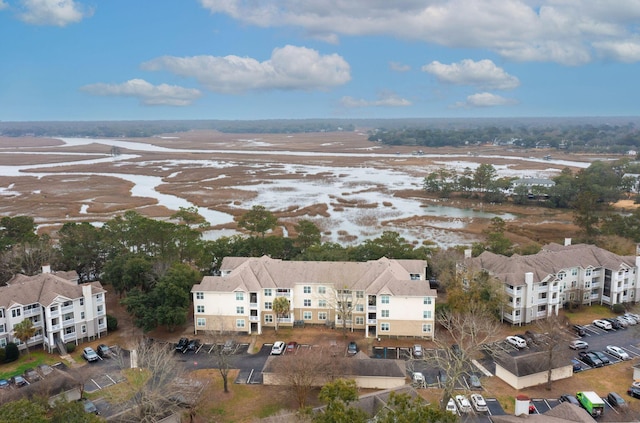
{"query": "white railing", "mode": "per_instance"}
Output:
(371, 321)
(254, 318)
(371, 308)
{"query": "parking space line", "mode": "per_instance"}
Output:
(96, 383)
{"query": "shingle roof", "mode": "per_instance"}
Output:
(562, 413)
(550, 260)
(383, 276)
(43, 289)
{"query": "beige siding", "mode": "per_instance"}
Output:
(533, 379)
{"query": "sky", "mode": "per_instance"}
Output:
(70, 60)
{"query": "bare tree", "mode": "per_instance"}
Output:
(158, 396)
(552, 339)
(344, 302)
(224, 345)
(306, 370)
(462, 337)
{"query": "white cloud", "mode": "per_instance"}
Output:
(562, 31)
(289, 68)
(626, 51)
(3, 5)
(485, 100)
(483, 74)
(52, 12)
(399, 67)
(146, 93)
(384, 100)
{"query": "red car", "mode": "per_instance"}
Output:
(292, 347)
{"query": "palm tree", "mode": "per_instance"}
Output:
(24, 331)
(281, 307)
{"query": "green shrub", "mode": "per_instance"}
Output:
(2, 355)
(112, 323)
(12, 353)
(618, 308)
(71, 347)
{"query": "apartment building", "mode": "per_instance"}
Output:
(61, 310)
(380, 297)
(539, 285)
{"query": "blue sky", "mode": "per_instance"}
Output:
(268, 59)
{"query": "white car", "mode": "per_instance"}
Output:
(578, 345)
(629, 319)
(278, 348)
(451, 407)
(602, 324)
(463, 404)
(517, 342)
(623, 322)
(417, 351)
(418, 380)
(618, 352)
(479, 403)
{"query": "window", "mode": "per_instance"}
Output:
(69, 330)
(542, 296)
(426, 327)
(82, 315)
(322, 303)
(101, 322)
(199, 295)
(16, 312)
(239, 296)
(268, 305)
(268, 292)
(384, 299)
(574, 272)
(384, 327)
(3, 342)
(67, 317)
(359, 307)
(516, 313)
(307, 303)
(306, 290)
(587, 272)
(54, 308)
(83, 328)
(542, 308)
(239, 310)
(200, 309)
(240, 323)
(426, 314)
(574, 284)
(359, 320)
(306, 315)
(268, 318)
(384, 313)
(359, 294)
(67, 303)
(201, 322)
(322, 290)
(427, 300)
(322, 315)
(587, 284)
(2, 328)
(81, 301)
(1, 313)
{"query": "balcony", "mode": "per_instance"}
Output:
(283, 294)
(67, 309)
(371, 308)
(254, 318)
(253, 305)
(372, 321)
(285, 319)
(69, 337)
(68, 322)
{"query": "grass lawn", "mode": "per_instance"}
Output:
(25, 361)
(586, 315)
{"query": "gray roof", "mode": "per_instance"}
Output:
(535, 362)
(360, 366)
(43, 289)
(549, 261)
(383, 276)
(562, 413)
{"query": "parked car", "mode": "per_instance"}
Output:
(44, 369)
(4, 384)
(474, 382)
(629, 319)
(478, 403)
(182, 344)
(590, 358)
(442, 376)
(229, 346)
(277, 348)
(578, 345)
(616, 400)
(618, 352)
(516, 341)
(602, 356)
(570, 399)
(577, 366)
(19, 381)
(417, 351)
(623, 322)
(463, 404)
(634, 392)
(418, 380)
(192, 345)
(89, 406)
(31, 375)
(352, 349)
(291, 347)
(602, 324)
(579, 330)
(451, 406)
(90, 355)
(615, 324)
(103, 351)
